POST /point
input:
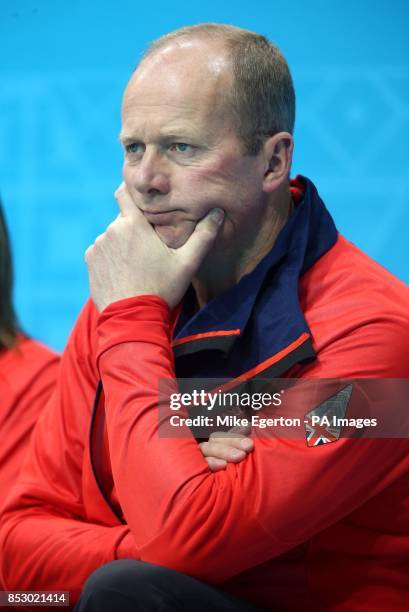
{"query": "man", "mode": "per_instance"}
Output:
(267, 287)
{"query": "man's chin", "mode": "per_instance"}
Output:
(173, 237)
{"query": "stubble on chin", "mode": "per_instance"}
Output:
(174, 237)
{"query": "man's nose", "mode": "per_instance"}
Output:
(149, 176)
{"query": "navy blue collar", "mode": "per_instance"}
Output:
(258, 324)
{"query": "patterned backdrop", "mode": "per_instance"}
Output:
(63, 69)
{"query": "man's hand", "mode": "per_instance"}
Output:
(129, 259)
(226, 447)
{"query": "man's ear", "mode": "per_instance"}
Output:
(278, 153)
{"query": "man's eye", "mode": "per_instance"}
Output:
(181, 147)
(133, 148)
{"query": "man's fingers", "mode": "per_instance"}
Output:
(232, 451)
(125, 202)
(200, 242)
(129, 209)
(230, 440)
(216, 464)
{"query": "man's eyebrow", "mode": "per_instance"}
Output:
(175, 135)
(126, 138)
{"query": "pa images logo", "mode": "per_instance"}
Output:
(323, 424)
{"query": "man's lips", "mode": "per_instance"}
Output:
(160, 218)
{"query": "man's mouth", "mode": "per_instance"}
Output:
(160, 218)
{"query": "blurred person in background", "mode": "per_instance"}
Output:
(28, 372)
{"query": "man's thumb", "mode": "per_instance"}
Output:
(125, 202)
(200, 242)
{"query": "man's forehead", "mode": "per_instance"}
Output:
(174, 107)
(187, 69)
(174, 93)
(177, 90)
(158, 126)
(149, 122)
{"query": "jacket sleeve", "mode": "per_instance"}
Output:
(46, 540)
(216, 525)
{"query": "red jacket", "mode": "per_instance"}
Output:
(28, 374)
(289, 528)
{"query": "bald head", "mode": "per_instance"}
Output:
(258, 89)
(194, 73)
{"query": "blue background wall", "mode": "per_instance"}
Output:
(63, 67)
